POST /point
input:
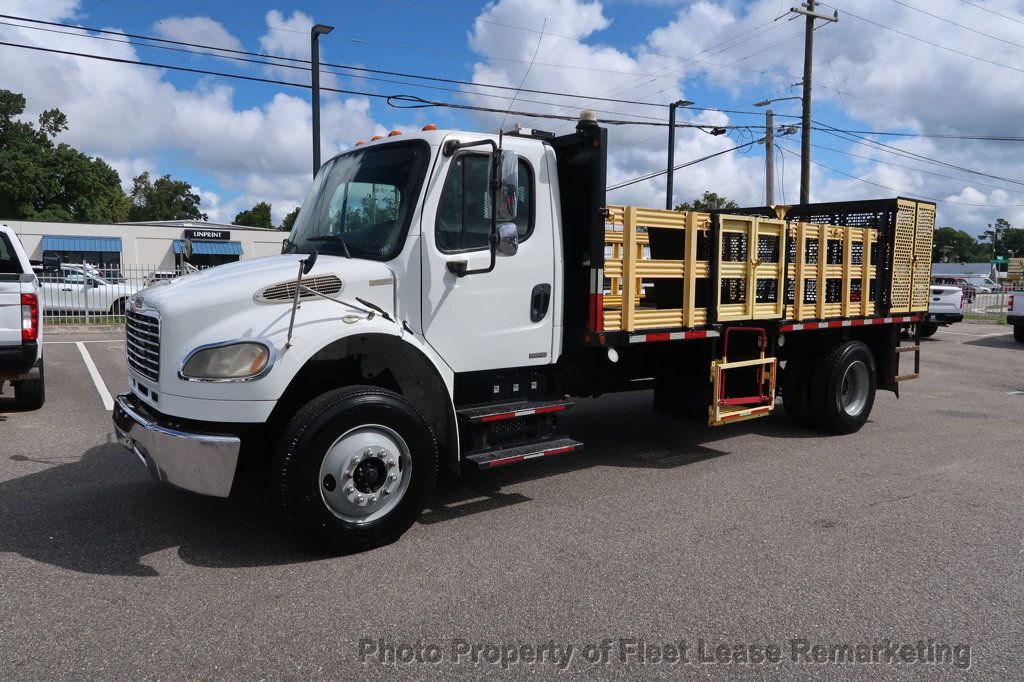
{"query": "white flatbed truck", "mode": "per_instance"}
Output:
(444, 295)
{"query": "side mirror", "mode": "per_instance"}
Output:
(508, 239)
(508, 186)
(51, 262)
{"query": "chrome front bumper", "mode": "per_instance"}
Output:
(199, 462)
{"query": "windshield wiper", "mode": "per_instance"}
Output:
(332, 238)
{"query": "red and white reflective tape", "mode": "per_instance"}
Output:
(532, 455)
(672, 336)
(804, 326)
(524, 413)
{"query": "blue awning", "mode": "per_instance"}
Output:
(65, 243)
(210, 248)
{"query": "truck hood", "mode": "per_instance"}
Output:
(227, 290)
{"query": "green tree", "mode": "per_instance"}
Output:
(163, 199)
(1013, 242)
(257, 216)
(709, 202)
(951, 245)
(41, 180)
(289, 220)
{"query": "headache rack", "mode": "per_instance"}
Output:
(671, 274)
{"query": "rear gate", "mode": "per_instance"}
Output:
(945, 300)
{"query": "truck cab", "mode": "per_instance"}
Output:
(443, 296)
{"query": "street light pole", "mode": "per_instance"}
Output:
(314, 65)
(672, 148)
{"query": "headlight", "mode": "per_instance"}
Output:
(233, 361)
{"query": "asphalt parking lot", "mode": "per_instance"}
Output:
(660, 530)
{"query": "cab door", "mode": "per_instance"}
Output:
(502, 318)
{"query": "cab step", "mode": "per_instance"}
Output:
(519, 453)
(501, 411)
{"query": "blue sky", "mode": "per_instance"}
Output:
(239, 142)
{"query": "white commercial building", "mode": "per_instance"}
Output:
(158, 246)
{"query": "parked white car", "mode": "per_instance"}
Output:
(76, 288)
(21, 333)
(1015, 313)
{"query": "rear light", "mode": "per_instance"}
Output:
(29, 317)
(961, 300)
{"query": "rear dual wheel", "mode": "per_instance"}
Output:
(834, 392)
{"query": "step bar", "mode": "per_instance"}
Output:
(519, 453)
(512, 410)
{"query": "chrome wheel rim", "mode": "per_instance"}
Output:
(365, 473)
(854, 388)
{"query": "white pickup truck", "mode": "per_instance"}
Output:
(21, 334)
(945, 307)
(1015, 313)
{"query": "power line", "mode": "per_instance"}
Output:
(413, 101)
(926, 41)
(655, 174)
(850, 137)
(992, 11)
(213, 50)
(912, 168)
(902, 192)
(950, 21)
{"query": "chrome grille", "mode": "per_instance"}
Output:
(328, 285)
(142, 344)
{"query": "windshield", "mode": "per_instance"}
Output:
(361, 202)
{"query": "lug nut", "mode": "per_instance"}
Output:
(392, 478)
(372, 500)
(359, 499)
(391, 463)
(348, 474)
(385, 492)
(367, 452)
(349, 489)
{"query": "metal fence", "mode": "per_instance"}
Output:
(84, 294)
(985, 305)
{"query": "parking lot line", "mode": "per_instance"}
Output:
(88, 341)
(97, 380)
(946, 331)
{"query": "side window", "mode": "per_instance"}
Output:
(71, 277)
(464, 213)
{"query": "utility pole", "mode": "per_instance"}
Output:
(672, 147)
(314, 66)
(805, 138)
(769, 157)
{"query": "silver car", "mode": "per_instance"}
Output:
(74, 288)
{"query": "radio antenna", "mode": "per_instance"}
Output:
(516, 93)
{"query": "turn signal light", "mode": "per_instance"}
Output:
(376, 137)
(393, 133)
(360, 142)
(429, 126)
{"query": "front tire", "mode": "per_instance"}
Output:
(1018, 332)
(355, 468)
(31, 393)
(117, 308)
(843, 388)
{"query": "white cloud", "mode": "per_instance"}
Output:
(199, 31)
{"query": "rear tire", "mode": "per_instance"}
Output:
(926, 329)
(796, 387)
(31, 393)
(117, 308)
(1018, 332)
(843, 388)
(354, 468)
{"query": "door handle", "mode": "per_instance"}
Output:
(540, 299)
(65, 289)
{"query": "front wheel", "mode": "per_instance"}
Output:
(355, 468)
(843, 388)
